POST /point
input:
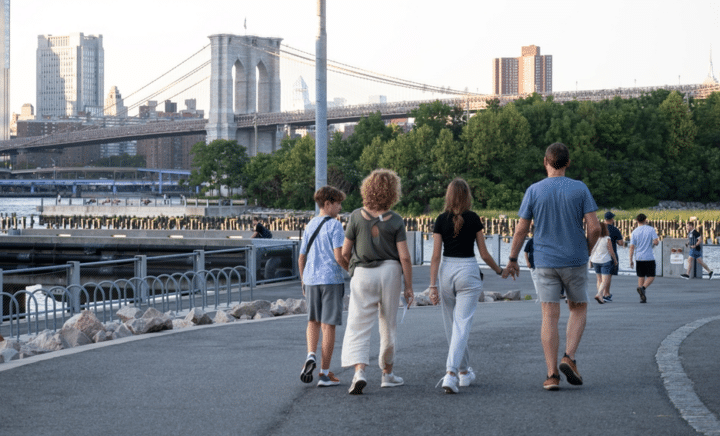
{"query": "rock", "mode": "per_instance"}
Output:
(128, 312)
(263, 313)
(121, 332)
(198, 317)
(244, 318)
(279, 308)
(296, 306)
(46, 340)
(512, 295)
(102, 336)
(222, 317)
(422, 299)
(72, 337)
(151, 312)
(346, 302)
(10, 343)
(487, 299)
(181, 323)
(111, 327)
(8, 354)
(86, 322)
(249, 308)
(141, 326)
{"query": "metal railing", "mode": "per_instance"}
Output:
(45, 297)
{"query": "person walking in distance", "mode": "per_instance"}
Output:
(320, 264)
(558, 205)
(695, 244)
(457, 230)
(616, 238)
(603, 260)
(642, 241)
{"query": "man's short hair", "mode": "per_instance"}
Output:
(328, 193)
(557, 155)
(690, 223)
(641, 218)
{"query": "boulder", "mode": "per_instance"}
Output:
(512, 295)
(222, 317)
(262, 313)
(279, 308)
(141, 326)
(72, 337)
(346, 302)
(121, 332)
(151, 312)
(244, 318)
(10, 343)
(102, 336)
(8, 354)
(181, 324)
(198, 317)
(86, 322)
(422, 299)
(249, 308)
(128, 312)
(296, 306)
(46, 340)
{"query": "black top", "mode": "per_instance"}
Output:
(693, 237)
(464, 244)
(615, 236)
(530, 250)
(262, 231)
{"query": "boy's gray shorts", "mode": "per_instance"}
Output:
(549, 282)
(325, 303)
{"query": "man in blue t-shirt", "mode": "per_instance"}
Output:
(616, 238)
(558, 205)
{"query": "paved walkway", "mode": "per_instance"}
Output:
(648, 369)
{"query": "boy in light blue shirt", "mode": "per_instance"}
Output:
(323, 283)
(642, 241)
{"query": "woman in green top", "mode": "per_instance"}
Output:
(376, 247)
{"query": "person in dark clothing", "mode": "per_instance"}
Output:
(260, 230)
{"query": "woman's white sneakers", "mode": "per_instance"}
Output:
(467, 378)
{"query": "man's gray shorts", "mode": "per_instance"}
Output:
(325, 303)
(549, 282)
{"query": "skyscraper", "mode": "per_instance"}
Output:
(70, 75)
(526, 74)
(5, 73)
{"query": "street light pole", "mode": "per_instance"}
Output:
(320, 101)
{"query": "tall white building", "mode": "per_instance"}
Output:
(70, 74)
(114, 105)
(5, 70)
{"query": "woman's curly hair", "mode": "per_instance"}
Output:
(381, 190)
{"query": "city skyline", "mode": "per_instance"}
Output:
(619, 45)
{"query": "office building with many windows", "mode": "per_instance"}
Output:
(70, 75)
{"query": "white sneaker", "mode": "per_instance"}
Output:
(358, 383)
(391, 380)
(449, 383)
(466, 379)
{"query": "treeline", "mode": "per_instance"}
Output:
(630, 152)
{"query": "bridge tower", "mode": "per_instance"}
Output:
(244, 79)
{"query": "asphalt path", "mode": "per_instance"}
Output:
(243, 378)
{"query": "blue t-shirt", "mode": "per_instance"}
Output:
(642, 238)
(558, 205)
(321, 268)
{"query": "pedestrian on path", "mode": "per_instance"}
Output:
(376, 247)
(457, 230)
(642, 241)
(603, 259)
(558, 205)
(320, 264)
(695, 244)
(616, 238)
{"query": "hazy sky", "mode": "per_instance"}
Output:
(610, 44)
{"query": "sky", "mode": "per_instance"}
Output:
(595, 45)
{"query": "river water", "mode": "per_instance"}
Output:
(27, 206)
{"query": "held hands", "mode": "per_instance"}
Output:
(512, 269)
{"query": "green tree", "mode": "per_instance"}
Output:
(219, 163)
(439, 116)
